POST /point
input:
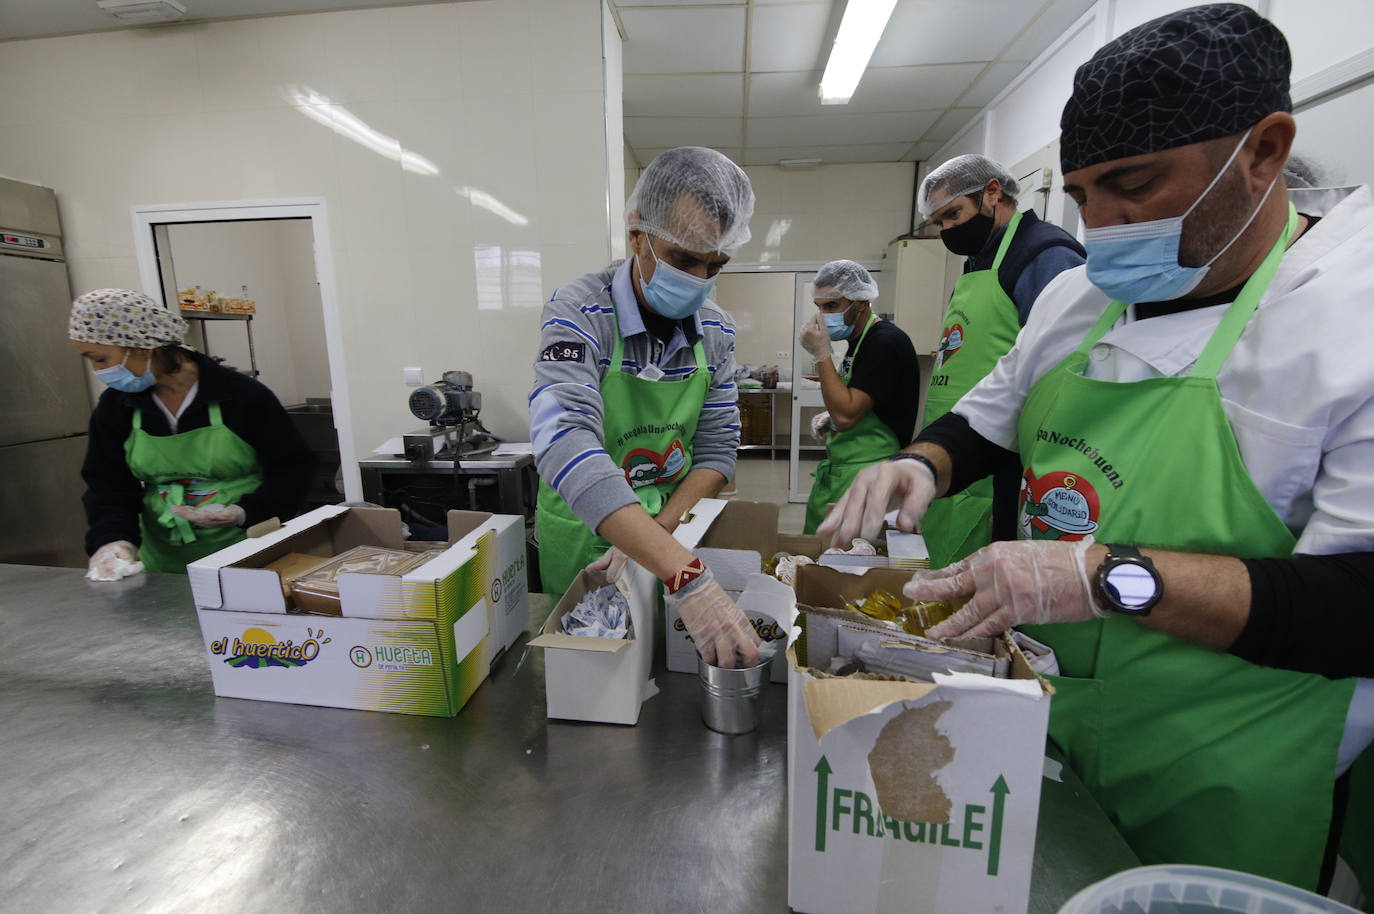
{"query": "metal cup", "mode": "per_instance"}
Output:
(730, 698)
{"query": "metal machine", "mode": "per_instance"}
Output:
(448, 405)
(46, 401)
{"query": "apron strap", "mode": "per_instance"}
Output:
(872, 319)
(1006, 240)
(700, 352)
(618, 350)
(216, 418)
(174, 493)
(138, 420)
(1238, 315)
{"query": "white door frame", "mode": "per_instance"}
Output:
(312, 208)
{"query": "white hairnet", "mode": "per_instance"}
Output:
(694, 197)
(965, 175)
(845, 279)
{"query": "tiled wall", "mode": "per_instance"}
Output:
(461, 149)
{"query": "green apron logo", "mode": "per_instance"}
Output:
(645, 467)
(1057, 506)
(838, 809)
(951, 339)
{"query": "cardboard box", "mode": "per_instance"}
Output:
(734, 539)
(419, 642)
(912, 797)
(603, 680)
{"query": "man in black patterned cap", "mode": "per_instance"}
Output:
(1194, 413)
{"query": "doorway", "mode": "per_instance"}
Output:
(255, 282)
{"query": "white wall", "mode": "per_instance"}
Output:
(1025, 116)
(827, 213)
(444, 267)
(301, 294)
(761, 304)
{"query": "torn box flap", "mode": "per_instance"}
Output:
(831, 702)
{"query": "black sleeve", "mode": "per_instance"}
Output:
(1311, 613)
(287, 461)
(971, 455)
(113, 498)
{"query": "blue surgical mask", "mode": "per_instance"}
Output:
(122, 379)
(1138, 262)
(835, 325)
(674, 293)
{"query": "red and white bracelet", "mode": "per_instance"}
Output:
(684, 576)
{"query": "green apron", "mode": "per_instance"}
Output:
(869, 441)
(205, 466)
(981, 325)
(1198, 756)
(648, 427)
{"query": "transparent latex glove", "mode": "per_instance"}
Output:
(609, 566)
(716, 625)
(907, 484)
(212, 515)
(814, 338)
(821, 426)
(114, 561)
(1011, 583)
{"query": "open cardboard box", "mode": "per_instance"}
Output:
(734, 539)
(604, 680)
(419, 642)
(912, 797)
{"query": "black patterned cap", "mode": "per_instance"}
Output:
(1191, 76)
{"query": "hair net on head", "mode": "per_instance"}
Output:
(123, 317)
(694, 197)
(965, 175)
(845, 279)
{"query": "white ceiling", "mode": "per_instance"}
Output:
(742, 75)
(32, 18)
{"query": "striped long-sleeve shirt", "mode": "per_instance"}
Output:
(576, 339)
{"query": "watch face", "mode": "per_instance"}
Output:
(1133, 586)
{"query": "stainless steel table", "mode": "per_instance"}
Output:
(125, 785)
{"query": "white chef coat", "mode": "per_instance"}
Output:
(1298, 388)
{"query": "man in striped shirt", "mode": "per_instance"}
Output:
(634, 414)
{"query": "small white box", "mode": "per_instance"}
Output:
(604, 680)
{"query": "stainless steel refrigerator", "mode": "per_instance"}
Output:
(44, 397)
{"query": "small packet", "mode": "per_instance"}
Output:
(602, 613)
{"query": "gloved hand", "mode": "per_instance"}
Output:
(860, 511)
(212, 515)
(1009, 584)
(814, 338)
(821, 426)
(114, 561)
(609, 566)
(716, 625)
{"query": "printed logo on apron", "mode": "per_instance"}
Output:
(1057, 506)
(645, 467)
(197, 491)
(950, 340)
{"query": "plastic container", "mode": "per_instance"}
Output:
(1178, 889)
(318, 591)
(730, 698)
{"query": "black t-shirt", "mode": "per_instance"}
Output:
(888, 372)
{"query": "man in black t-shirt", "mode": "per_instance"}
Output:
(871, 400)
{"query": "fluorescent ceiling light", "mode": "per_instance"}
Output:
(347, 124)
(136, 11)
(798, 164)
(860, 29)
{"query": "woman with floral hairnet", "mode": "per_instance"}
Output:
(184, 454)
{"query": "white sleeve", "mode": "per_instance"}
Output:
(1062, 315)
(1343, 492)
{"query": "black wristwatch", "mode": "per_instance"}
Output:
(1126, 581)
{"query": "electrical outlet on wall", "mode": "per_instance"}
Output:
(784, 354)
(414, 377)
